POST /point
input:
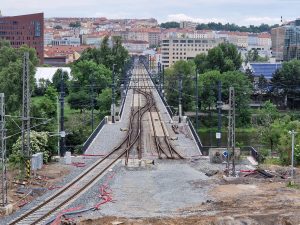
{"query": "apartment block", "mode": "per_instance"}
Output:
(24, 30)
(175, 49)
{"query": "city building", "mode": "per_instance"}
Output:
(188, 24)
(292, 41)
(175, 49)
(277, 37)
(24, 30)
(135, 47)
(61, 55)
(266, 70)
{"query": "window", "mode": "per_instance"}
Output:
(37, 29)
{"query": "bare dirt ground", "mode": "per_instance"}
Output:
(21, 193)
(247, 201)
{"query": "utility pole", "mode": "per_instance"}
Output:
(113, 105)
(92, 100)
(293, 133)
(160, 76)
(163, 80)
(62, 120)
(26, 117)
(231, 129)
(197, 101)
(3, 188)
(180, 98)
(219, 106)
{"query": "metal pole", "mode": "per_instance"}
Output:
(160, 77)
(293, 151)
(62, 120)
(180, 99)
(231, 129)
(58, 136)
(3, 200)
(219, 105)
(163, 80)
(92, 102)
(113, 95)
(197, 102)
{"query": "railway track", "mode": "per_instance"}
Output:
(41, 213)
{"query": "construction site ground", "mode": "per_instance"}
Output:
(175, 192)
(24, 191)
(181, 193)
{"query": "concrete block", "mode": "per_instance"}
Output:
(68, 159)
(7, 210)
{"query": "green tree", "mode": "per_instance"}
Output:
(234, 27)
(38, 143)
(79, 100)
(285, 141)
(104, 101)
(288, 79)
(41, 87)
(56, 80)
(76, 24)
(107, 55)
(208, 84)
(169, 25)
(86, 73)
(11, 70)
(224, 57)
(185, 69)
(201, 62)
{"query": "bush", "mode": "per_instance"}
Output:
(38, 143)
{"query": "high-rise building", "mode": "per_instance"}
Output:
(175, 49)
(277, 37)
(286, 41)
(292, 41)
(24, 30)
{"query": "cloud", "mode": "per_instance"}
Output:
(260, 20)
(250, 20)
(182, 17)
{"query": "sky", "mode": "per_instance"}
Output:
(241, 12)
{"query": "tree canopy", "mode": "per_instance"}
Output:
(168, 25)
(11, 70)
(224, 57)
(234, 27)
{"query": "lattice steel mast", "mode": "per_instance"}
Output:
(26, 111)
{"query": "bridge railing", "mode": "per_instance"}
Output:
(195, 135)
(102, 123)
(124, 100)
(171, 114)
(93, 135)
